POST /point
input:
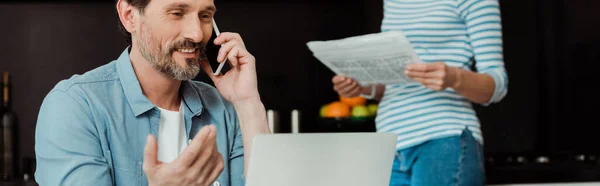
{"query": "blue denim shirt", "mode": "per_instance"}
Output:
(92, 128)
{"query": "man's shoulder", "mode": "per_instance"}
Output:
(73, 95)
(104, 73)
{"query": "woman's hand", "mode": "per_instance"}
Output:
(436, 76)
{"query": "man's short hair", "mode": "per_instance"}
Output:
(140, 5)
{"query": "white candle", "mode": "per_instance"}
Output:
(271, 120)
(295, 121)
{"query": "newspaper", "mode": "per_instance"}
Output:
(369, 59)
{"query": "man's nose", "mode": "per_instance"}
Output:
(193, 30)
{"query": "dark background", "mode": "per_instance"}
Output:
(550, 47)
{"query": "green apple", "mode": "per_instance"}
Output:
(323, 109)
(360, 111)
(372, 109)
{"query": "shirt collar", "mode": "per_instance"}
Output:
(138, 102)
(191, 97)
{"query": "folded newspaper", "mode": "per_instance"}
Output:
(369, 59)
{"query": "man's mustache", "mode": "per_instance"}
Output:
(188, 44)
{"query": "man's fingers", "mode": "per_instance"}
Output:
(224, 50)
(232, 56)
(217, 169)
(207, 167)
(211, 139)
(150, 153)
(190, 154)
(225, 37)
(228, 42)
(204, 161)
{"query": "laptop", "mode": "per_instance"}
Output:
(322, 159)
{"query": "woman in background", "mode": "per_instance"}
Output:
(439, 136)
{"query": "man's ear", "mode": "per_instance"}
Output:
(126, 12)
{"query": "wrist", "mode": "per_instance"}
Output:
(247, 103)
(252, 115)
(365, 89)
(457, 76)
(368, 91)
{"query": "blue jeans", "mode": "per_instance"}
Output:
(446, 161)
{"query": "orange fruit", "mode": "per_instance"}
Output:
(353, 101)
(337, 110)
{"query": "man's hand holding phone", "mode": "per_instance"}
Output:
(239, 83)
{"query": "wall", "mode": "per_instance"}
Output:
(44, 43)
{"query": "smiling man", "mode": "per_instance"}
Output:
(141, 120)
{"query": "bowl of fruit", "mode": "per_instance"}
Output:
(355, 113)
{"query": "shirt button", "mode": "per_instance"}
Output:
(216, 183)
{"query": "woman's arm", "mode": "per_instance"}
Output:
(476, 87)
(490, 83)
(484, 28)
(438, 76)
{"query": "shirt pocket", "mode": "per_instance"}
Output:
(127, 171)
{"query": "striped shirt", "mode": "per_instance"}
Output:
(459, 33)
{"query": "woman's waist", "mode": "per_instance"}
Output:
(424, 104)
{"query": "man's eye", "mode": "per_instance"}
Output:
(206, 16)
(177, 14)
